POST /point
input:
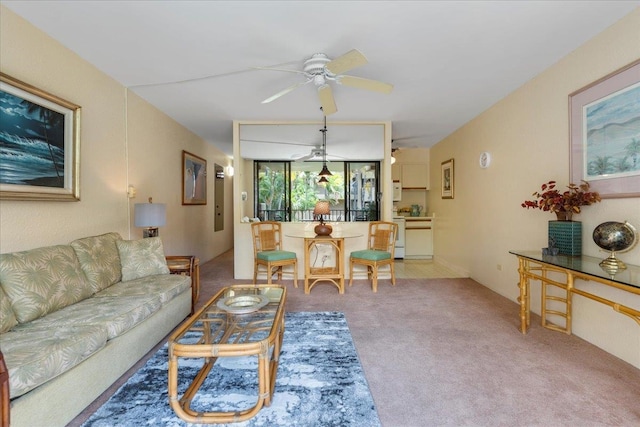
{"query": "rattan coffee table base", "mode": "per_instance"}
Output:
(219, 338)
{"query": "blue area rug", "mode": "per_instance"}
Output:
(320, 382)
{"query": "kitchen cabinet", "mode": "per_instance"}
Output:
(415, 176)
(418, 238)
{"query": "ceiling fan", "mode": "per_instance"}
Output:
(321, 70)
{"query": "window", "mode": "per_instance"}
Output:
(288, 191)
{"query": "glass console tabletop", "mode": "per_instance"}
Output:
(587, 265)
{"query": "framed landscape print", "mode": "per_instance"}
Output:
(40, 140)
(194, 179)
(605, 133)
(447, 179)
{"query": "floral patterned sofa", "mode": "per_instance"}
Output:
(74, 318)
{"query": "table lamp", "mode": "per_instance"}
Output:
(150, 216)
(322, 208)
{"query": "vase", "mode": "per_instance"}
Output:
(564, 216)
(566, 236)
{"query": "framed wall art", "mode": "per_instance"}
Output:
(40, 139)
(604, 127)
(194, 179)
(447, 179)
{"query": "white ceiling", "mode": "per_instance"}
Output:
(448, 60)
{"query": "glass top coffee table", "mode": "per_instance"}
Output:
(241, 320)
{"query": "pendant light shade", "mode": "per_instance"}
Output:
(325, 170)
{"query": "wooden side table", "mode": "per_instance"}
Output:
(4, 393)
(314, 273)
(188, 265)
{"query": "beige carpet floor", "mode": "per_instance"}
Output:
(447, 352)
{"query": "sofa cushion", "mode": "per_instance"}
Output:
(115, 315)
(34, 357)
(165, 286)
(7, 317)
(42, 280)
(99, 259)
(140, 258)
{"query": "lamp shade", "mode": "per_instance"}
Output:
(325, 171)
(322, 208)
(150, 214)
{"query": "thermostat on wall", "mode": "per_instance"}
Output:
(485, 159)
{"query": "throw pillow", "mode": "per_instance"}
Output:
(7, 317)
(99, 259)
(141, 258)
(42, 280)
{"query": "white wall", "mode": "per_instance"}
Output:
(123, 141)
(527, 136)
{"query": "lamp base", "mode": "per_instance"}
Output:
(150, 232)
(323, 229)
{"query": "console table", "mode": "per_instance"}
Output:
(532, 265)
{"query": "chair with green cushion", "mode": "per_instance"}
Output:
(380, 252)
(268, 254)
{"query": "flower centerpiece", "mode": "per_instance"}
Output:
(563, 204)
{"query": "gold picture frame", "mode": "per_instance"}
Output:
(447, 179)
(194, 179)
(40, 135)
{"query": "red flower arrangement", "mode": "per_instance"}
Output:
(566, 203)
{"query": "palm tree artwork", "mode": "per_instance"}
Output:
(32, 143)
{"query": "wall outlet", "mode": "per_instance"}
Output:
(499, 267)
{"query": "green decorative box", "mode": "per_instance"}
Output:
(566, 236)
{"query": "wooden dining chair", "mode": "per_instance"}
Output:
(380, 252)
(268, 254)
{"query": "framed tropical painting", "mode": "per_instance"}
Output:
(605, 133)
(40, 140)
(194, 179)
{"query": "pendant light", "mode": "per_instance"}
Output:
(325, 171)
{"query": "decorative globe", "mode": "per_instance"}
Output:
(615, 237)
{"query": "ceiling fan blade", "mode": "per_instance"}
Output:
(326, 100)
(285, 91)
(346, 62)
(362, 83)
(302, 157)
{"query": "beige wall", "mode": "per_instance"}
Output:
(527, 136)
(123, 141)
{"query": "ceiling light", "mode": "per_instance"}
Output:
(325, 171)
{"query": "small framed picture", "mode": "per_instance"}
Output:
(447, 179)
(40, 139)
(194, 179)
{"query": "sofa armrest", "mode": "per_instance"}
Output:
(188, 265)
